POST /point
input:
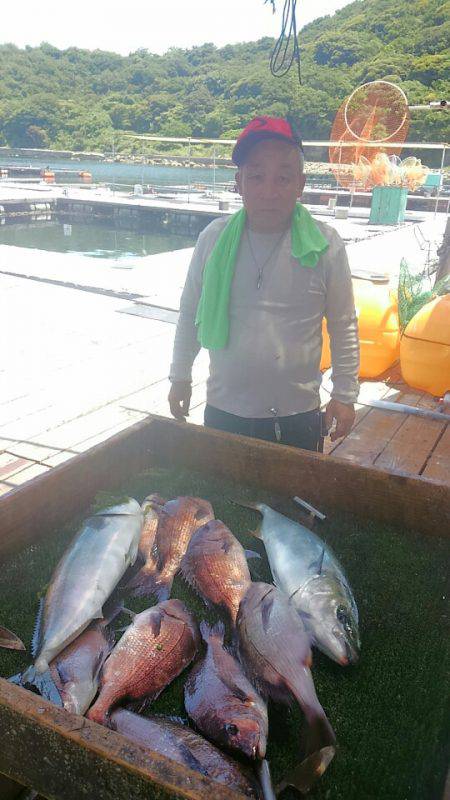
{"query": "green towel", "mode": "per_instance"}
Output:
(308, 244)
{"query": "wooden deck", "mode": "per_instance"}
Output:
(77, 366)
(397, 441)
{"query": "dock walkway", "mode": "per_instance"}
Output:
(87, 346)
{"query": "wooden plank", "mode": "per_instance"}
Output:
(365, 442)
(411, 445)
(27, 474)
(438, 466)
(73, 757)
(10, 464)
(332, 484)
(369, 390)
(31, 450)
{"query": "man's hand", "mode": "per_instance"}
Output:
(179, 399)
(344, 414)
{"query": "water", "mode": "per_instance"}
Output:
(98, 240)
(103, 239)
(126, 174)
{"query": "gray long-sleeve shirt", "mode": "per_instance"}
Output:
(273, 353)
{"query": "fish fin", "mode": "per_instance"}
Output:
(111, 609)
(128, 611)
(237, 691)
(251, 554)
(216, 631)
(163, 588)
(190, 760)
(42, 681)
(304, 775)
(266, 610)
(9, 640)
(131, 571)
(256, 533)
(155, 621)
(252, 506)
(317, 565)
(265, 779)
(37, 629)
(173, 718)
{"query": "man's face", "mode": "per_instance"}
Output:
(270, 182)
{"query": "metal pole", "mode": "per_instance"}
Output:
(189, 172)
(114, 165)
(214, 169)
(441, 172)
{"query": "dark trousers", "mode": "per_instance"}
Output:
(297, 430)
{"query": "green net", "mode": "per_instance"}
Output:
(415, 289)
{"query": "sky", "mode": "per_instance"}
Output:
(155, 25)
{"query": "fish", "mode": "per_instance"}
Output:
(274, 648)
(222, 702)
(75, 672)
(84, 579)
(179, 519)
(104, 547)
(155, 649)
(9, 640)
(215, 566)
(180, 743)
(139, 583)
(306, 569)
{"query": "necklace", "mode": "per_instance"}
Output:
(261, 267)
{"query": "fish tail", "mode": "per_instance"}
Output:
(145, 585)
(305, 774)
(9, 640)
(42, 681)
(208, 632)
(319, 735)
(99, 712)
(253, 507)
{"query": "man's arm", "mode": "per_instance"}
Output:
(186, 345)
(343, 330)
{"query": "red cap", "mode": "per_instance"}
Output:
(261, 128)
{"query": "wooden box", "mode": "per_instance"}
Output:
(57, 752)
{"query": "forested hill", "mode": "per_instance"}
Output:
(76, 99)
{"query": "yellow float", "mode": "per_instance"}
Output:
(379, 331)
(425, 348)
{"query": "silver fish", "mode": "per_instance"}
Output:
(104, 547)
(306, 569)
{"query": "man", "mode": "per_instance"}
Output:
(258, 286)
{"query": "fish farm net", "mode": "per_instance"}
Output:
(415, 289)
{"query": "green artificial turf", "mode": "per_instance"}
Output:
(389, 711)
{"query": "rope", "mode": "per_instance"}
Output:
(286, 49)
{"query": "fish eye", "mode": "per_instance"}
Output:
(342, 616)
(231, 729)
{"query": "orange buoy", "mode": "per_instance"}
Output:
(378, 324)
(425, 348)
(48, 176)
